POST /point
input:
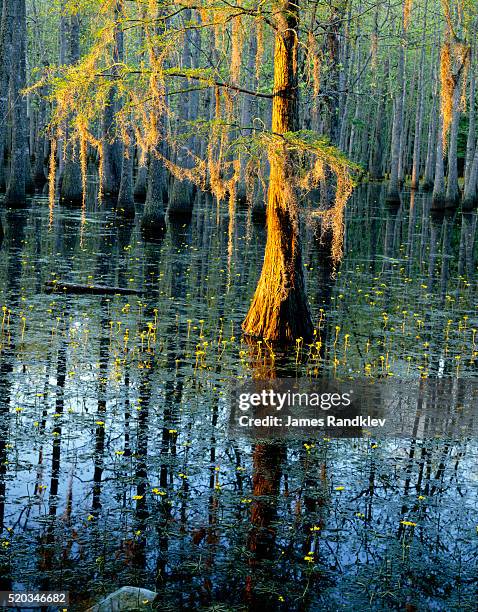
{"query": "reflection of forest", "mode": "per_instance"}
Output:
(116, 465)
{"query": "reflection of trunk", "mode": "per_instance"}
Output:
(470, 197)
(446, 256)
(467, 241)
(279, 310)
(267, 460)
(59, 409)
(101, 414)
(15, 228)
(435, 226)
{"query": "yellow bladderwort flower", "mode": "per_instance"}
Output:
(157, 491)
(136, 497)
(339, 488)
(408, 523)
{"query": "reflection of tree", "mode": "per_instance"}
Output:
(267, 466)
(14, 236)
(466, 258)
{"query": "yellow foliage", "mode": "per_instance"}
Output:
(259, 46)
(407, 11)
(237, 42)
(447, 89)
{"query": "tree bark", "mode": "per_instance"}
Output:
(125, 195)
(471, 137)
(438, 200)
(5, 48)
(182, 192)
(112, 150)
(71, 188)
(141, 183)
(431, 146)
(452, 191)
(15, 195)
(393, 192)
(417, 142)
(152, 223)
(280, 310)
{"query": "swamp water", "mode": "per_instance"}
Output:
(116, 463)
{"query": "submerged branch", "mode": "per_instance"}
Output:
(61, 287)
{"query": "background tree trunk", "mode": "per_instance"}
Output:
(417, 142)
(112, 149)
(71, 188)
(5, 50)
(15, 195)
(393, 192)
(452, 191)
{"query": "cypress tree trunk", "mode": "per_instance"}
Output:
(39, 176)
(152, 223)
(393, 192)
(62, 59)
(71, 188)
(248, 111)
(15, 195)
(141, 183)
(5, 53)
(125, 195)
(438, 200)
(112, 150)
(181, 196)
(471, 138)
(431, 147)
(332, 35)
(125, 202)
(452, 192)
(417, 143)
(402, 163)
(279, 309)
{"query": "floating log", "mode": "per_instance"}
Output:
(62, 287)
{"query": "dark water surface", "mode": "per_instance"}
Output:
(116, 467)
